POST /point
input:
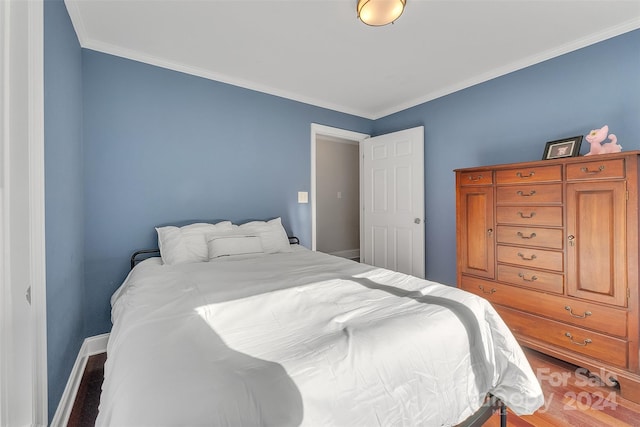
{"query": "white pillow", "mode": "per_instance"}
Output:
(272, 235)
(180, 245)
(233, 245)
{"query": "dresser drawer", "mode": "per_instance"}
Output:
(596, 170)
(601, 318)
(529, 174)
(534, 279)
(476, 178)
(550, 238)
(578, 340)
(529, 194)
(531, 257)
(530, 215)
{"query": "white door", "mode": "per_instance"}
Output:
(23, 373)
(393, 201)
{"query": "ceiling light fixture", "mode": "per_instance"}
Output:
(380, 12)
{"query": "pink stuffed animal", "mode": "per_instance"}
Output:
(597, 136)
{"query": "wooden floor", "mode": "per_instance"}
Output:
(85, 408)
(571, 399)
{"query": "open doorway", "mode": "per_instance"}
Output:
(335, 191)
(337, 197)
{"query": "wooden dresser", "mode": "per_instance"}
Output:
(553, 245)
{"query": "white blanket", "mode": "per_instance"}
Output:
(303, 338)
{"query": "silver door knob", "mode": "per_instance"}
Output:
(417, 220)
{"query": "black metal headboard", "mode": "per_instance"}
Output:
(143, 254)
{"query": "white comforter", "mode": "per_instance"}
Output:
(303, 338)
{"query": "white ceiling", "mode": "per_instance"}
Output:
(317, 52)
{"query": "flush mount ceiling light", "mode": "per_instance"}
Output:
(380, 12)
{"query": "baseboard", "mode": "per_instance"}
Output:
(349, 253)
(92, 345)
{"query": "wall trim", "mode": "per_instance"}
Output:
(37, 265)
(90, 346)
(4, 224)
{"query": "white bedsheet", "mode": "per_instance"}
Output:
(303, 338)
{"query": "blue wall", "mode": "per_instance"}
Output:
(161, 146)
(509, 119)
(64, 208)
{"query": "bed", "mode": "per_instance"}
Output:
(276, 334)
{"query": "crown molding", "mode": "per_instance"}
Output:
(123, 52)
(209, 75)
(515, 66)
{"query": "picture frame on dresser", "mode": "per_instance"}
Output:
(567, 147)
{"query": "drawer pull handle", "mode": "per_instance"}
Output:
(533, 278)
(586, 170)
(531, 193)
(583, 343)
(524, 258)
(525, 216)
(475, 178)
(586, 313)
(520, 175)
(493, 290)
(522, 236)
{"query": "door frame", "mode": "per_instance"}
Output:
(37, 243)
(322, 130)
(17, 50)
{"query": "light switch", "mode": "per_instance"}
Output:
(303, 197)
(339, 194)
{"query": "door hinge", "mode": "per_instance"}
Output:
(628, 293)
